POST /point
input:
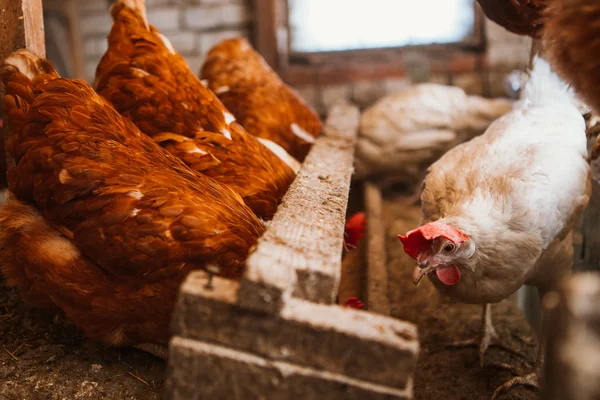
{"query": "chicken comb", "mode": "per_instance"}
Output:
(416, 240)
(355, 229)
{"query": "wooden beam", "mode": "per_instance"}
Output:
(573, 342)
(377, 274)
(21, 26)
(301, 251)
(265, 30)
(22, 23)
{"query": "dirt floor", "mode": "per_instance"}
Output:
(442, 372)
(42, 357)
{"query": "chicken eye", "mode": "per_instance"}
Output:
(449, 248)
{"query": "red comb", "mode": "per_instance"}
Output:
(416, 240)
(355, 229)
(354, 302)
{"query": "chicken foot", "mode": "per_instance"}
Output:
(488, 337)
(156, 350)
(531, 378)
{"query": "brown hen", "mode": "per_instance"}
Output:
(147, 81)
(107, 224)
(572, 44)
(264, 105)
(523, 17)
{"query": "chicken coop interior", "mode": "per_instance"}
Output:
(300, 199)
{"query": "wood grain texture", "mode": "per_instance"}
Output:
(300, 252)
(21, 26)
(200, 370)
(377, 274)
(573, 352)
(339, 340)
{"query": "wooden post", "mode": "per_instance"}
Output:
(572, 368)
(22, 26)
(270, 35)
(377, 275)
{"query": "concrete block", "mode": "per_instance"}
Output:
(200, 370)
(333, 94)
(393, 85)
(365, 93)
(184, 42)
(217, 16)
(472, 83)
(164, 19)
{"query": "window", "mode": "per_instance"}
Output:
(331, 41)
(337, 25)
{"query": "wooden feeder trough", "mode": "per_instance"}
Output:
(278, 333)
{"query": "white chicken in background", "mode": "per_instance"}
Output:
(498, 211)
(402, 134)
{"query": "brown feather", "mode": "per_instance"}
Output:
(523, 17)
(120, 219)
(148, 82)
(573, 47)
(264, 105)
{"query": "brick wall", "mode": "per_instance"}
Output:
(504, 53)
(193, 26)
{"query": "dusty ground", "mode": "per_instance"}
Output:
(45, 358)
(451, 373)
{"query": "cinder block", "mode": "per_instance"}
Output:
(217, 16)
(333, 94)
(184, 42)
(365, 93)
(341, 340)
(206, 371)
(164, 18)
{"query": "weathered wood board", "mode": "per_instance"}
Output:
(377, 275)
(21, 25)
(278, 330)
(300, 253)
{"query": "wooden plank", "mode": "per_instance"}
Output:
(71, 11)
(201, 370)
(572, 367)
(301, 251)
(21, 25)
(587, 258)
(265, 34)
(340, 340)
(377, 274)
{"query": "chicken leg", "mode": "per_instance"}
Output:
(488, 337)
(531, 378)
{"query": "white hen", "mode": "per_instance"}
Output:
(499, 210)
(403, 133)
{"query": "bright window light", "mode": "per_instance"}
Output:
(331, 25)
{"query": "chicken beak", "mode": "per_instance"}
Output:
(420, 271)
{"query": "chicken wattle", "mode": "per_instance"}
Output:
(499, 210)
